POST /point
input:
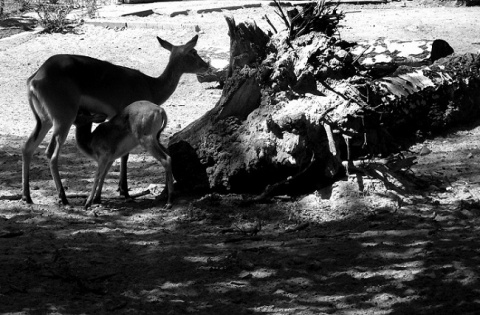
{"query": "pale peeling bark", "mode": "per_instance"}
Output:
(382, 57)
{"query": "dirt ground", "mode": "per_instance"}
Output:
(336, 251)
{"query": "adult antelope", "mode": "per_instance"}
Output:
(65, 84)
(140, 123)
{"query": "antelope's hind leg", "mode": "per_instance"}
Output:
(158, 151)
(28, 149)
(42, 126)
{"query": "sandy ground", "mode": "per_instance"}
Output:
(369, 252)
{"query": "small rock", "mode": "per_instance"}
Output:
(409, 292)
(246, 276)
(309, 201)
(197, 29)
(425, 150)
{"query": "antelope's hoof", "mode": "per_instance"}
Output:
(88, 204)
(27, 199)
(63, 202)
(124, 193)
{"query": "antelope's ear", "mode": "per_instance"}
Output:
(165, 44)
(191, 44)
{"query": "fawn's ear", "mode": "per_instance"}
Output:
(191, 43)
(165, 44)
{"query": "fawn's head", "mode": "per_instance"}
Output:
(185, 57)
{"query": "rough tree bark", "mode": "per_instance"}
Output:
(302, 112)
(191, 148)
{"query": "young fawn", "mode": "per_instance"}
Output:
(140, 123)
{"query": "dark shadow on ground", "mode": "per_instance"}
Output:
(76, 263)
(124, 258)
(455, 157)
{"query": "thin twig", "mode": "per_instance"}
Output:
(270, 23)
(282, 14)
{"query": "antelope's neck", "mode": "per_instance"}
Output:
(166, 84)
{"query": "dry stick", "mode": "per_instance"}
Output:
(347, 143)
(328, 87)
(282, 15)
(298, 227)
(331, 141)
(12, 197)
(361, 54)
(362, 99)
(392, 164)
(271, 24)
(345, 96)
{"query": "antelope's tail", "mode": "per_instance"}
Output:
(164, 123)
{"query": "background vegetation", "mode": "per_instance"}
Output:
(53, 14)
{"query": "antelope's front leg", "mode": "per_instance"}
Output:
(122, 183)
(53, 152)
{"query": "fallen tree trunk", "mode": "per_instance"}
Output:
(292, 111)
